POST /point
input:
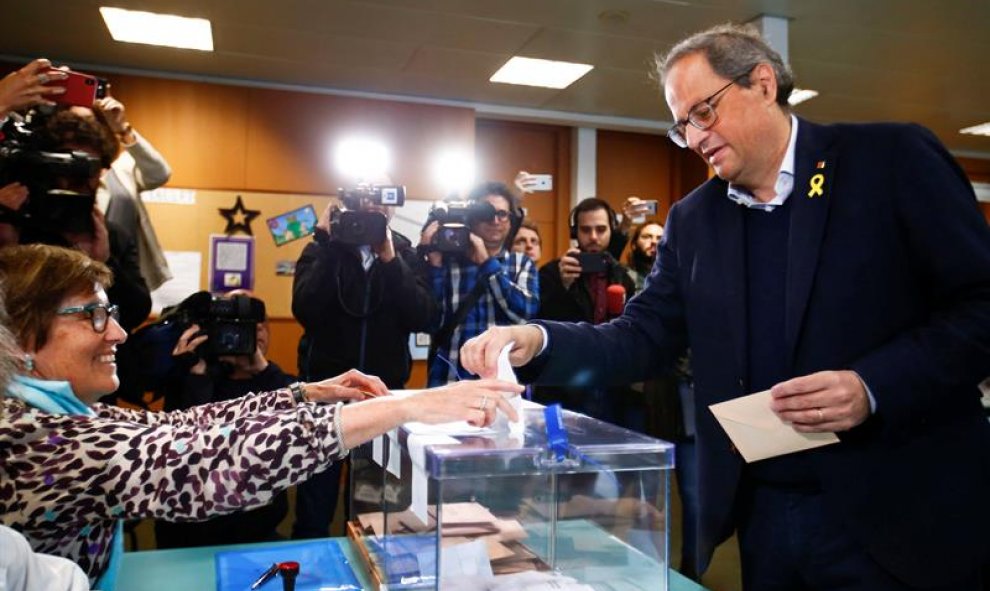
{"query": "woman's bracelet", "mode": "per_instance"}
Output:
(337, 426)
(298, 390)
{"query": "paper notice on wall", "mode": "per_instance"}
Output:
(185, 267)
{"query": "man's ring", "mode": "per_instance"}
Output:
(821, 415)
(484, 402)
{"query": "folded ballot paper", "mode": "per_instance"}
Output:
(758, 433)
(507, 374)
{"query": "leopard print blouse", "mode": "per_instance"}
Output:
(66, 479)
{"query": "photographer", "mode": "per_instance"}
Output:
(51, 167)
(200, 377)
(482, 285)
(138, 167)
(358, 304)
(588, 284)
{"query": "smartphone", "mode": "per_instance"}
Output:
(81, 90)
(643, 209)
(292, 225)
(592, 262)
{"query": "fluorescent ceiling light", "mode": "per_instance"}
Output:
(134, 26)
(529, 71)
(799, 95)
(981, 129)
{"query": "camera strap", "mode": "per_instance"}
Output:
(446, 332)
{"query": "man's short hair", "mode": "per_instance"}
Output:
(494, 188)
(531, 225)
(732, 50)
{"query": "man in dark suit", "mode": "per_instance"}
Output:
(847, 269)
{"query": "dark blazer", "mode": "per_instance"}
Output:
(888, 274)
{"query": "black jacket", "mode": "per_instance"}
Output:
(575, 304)
(357, 319)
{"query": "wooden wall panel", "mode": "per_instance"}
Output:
(291, 139)
(201, 129)
(504, 148)
(283, 340)
(647, 166)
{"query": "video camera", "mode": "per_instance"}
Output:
(231, 324)
(50, 208)
(350, 225)
(454, 220)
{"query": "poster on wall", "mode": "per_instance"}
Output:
(185, 268)
(231, 263)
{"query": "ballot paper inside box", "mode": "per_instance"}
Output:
(461, 508)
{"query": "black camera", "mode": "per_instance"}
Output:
(379, 194)
(231, 324)
(454, 220)
(59, 196)
(350, 225)
(358, 227)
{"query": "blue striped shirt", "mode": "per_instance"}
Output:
(512, 297)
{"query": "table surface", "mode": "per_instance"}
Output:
(193, 569)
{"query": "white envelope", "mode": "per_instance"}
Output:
(758, 433)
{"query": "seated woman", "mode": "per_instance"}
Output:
(71, 469)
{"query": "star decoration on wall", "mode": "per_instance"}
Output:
(238, 218)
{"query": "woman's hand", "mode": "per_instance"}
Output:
(350, 385)
(185, 349)
(474, 401)
(29, 86)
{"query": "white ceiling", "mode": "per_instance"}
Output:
(905, 60)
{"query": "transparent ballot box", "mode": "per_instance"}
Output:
(513, 514)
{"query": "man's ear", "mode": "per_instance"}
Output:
(765, 81)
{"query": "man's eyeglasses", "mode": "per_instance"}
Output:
(702, 115)
(97, 312)
(502, 214)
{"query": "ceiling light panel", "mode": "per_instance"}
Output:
(150, 28)
(528, 71)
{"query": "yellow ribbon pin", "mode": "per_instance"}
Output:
(816, 185)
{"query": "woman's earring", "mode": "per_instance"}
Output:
(28, 363)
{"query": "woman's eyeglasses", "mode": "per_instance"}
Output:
(98, 314)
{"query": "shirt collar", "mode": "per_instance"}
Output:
(785, 179)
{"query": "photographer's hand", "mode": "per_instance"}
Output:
(324, 222)
(13, 196)
(385, 250)
(631, 208)
(570, 268)
(435, 258)
(478, 254)
(29, 86)
(116, 119)
(186, 347)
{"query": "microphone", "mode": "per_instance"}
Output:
(615, 300)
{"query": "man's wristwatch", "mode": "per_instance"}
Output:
(298, 390)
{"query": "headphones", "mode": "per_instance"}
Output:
(586, 205)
